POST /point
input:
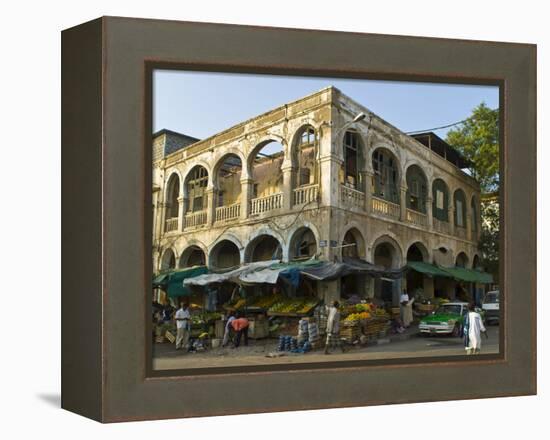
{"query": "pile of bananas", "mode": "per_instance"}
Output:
(357, 316)
(293, 306)
(284, 306)
(306, 306)
(265, 302)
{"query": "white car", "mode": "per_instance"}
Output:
(491, 306)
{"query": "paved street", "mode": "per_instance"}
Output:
(167, 358)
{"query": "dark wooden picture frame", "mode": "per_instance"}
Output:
(106, 235)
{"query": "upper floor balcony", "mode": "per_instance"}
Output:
(271, 180)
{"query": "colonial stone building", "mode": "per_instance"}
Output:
(343, 183)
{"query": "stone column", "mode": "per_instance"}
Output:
(367, 176)
(181, 212)
(429, 213)
(403, 204)
(210, 206)
(161, 216)
(370, 287)
(330, 290)
(428, 286)
(288, 186)
(468, 226)
(451, 218)
(246, 195)
(329, 184)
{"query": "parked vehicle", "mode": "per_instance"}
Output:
(491, 307)
(447, 319)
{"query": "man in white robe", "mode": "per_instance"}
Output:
(474, 328)
(406, 309)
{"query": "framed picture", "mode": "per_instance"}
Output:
(265, 219)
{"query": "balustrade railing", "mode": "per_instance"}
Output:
(260, 205)
(352, 197)
(417, 218)
(227, 213)
(171, 224)
(194, 219)
(305, 194)
(385, 207)
(442, 226)
(460, 232)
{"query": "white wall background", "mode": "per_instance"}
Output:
(30, 220)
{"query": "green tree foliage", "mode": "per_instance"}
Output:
(489, 243)
(477, 140)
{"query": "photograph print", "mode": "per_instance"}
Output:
(302, 220)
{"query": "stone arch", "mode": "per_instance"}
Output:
(194, 163)
(362, 137)
(422, 248)
(224, 254)
(304, 233)
(387, 252)
(192, 255)
(391, 240)
(417, 188)
(226, 177)
(441, 199)
(428, 171)
(195, 195)
(460, 208)
(381, 142)
(220, 160)
(387, 174)
(353, 235)
(417, 281)
(174, 174)
(168, 259)
(259, 144)
(476, 262)
(266, 173)
(462, 260)
(303, 153)
(353, 153)
(263, 247)
(172, 201)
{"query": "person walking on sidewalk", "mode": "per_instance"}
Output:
(183, 326)
(473, 327)
(333, 328)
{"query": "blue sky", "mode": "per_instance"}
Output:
(201, 104)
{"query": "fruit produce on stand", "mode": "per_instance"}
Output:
(263, 302)
(292, 307)
(236, 304)
(363, 319)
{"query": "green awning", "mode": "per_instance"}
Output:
(160, 280)
(458, 273)
(427, 269)
(469, 275)
(172, 282)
